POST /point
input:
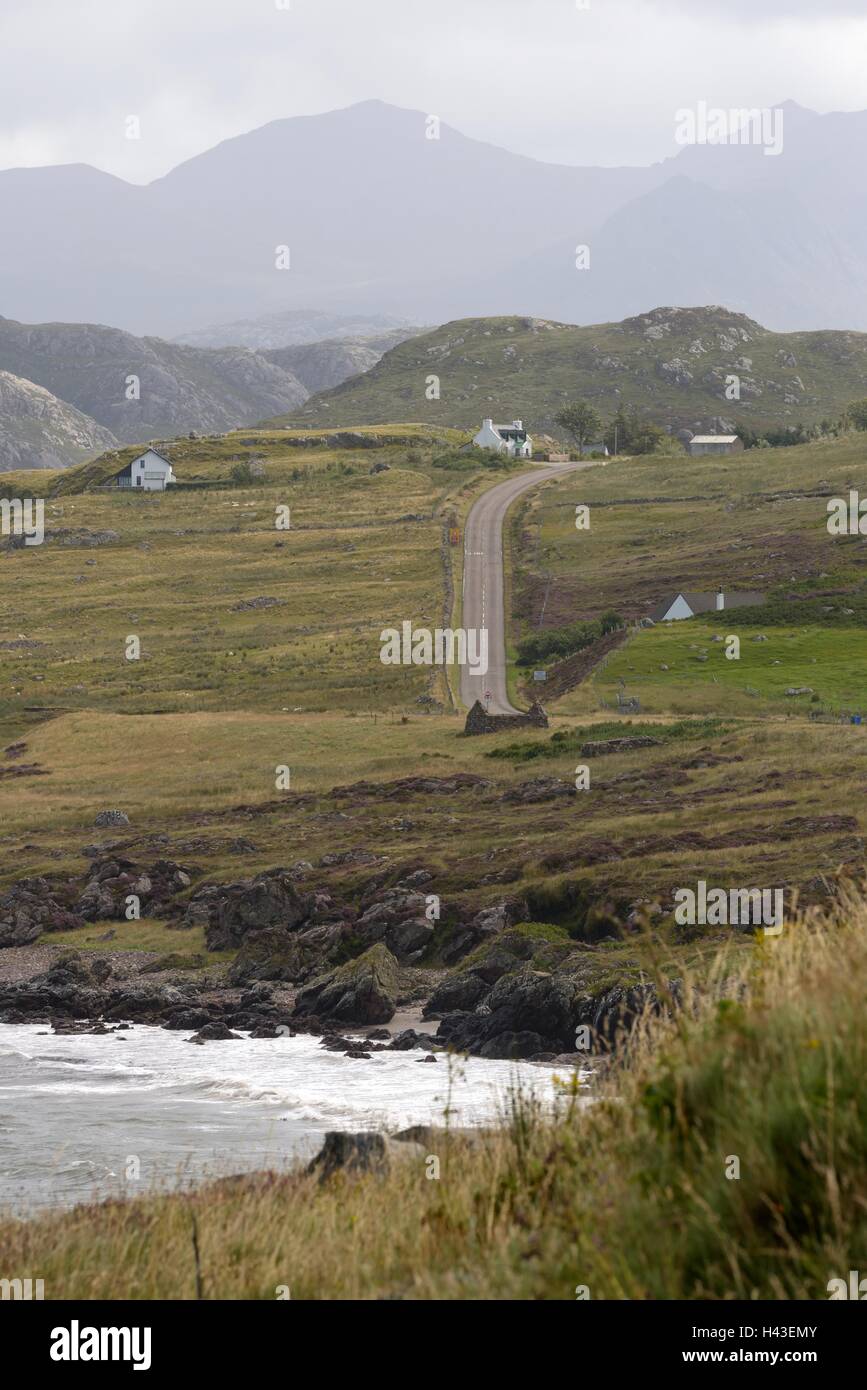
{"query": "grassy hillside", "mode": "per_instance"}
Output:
(764, 1068)
(672, 363)
(756, 522)
(233, 613)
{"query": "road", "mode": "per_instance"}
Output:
(483, 601)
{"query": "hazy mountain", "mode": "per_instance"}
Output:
(319, 366)
(180, 388)
(39, 431)
(380, 220)
(671, 363)
(292, 327)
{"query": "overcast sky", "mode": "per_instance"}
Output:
(542, 77)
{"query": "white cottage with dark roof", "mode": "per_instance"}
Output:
(150, 472)
(508, 439)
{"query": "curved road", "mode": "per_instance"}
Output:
(483, 605)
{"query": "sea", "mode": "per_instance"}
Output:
(87, 1117)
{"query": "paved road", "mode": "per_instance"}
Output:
(483, 582)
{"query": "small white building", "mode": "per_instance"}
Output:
(688, 605)
(508, 439)
(150, 472)
(715, 444)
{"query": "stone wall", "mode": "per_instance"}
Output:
(480, 722)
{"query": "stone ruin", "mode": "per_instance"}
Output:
(479, 721)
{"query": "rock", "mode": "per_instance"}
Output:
(230, 910)
(409, 1039)
(800, 690)
(366, 1152)
(601, 747)
(460, 992)
(104, 818)
(429, 1058)
(33, 906)
(184, 1019)
(278, 954)
(357, 1053)
(408, 941)
(363, 990)
(539, 789)
(215, 1032)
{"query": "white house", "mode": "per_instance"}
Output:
(687, 605)
(150, 472)
(715, 444)
(508, 439)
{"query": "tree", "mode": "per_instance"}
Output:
(580, 422)
(857, 413)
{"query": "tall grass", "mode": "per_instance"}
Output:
(723, 1156)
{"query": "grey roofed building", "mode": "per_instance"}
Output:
(689, 603)
(715, 444)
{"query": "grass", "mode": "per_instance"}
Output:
(755, 521)
(736, 1125)
(147, 935)
(682, 668)
(567, 741)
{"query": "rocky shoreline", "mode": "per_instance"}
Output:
(308, 954)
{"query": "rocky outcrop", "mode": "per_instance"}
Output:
(34, 906)
(114, 880)
(182, 388)
(479, 721)
(278, 954)
(364, 990)
(37, 430)
(228, 911)
(487, 923)
(600, 748)
(535, 1013)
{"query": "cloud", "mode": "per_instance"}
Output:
(546, 79)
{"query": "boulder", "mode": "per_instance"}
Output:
(363, 990)
(215, 1032)
(278, 954)
(366, 1152)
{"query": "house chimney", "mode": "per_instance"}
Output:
(489, 423)
(518, 424)
(720, 601)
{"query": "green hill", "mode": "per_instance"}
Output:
(671, 363)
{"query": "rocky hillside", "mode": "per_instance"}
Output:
(319, 366)
(177, 388)
(671, 362)
(39, 431)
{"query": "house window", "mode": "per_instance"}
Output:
(138, 482)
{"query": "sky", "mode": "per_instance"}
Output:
(567, 81)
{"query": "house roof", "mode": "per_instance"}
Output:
(151, 450)
(504, 431)
(714, 439)
(706, 603)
